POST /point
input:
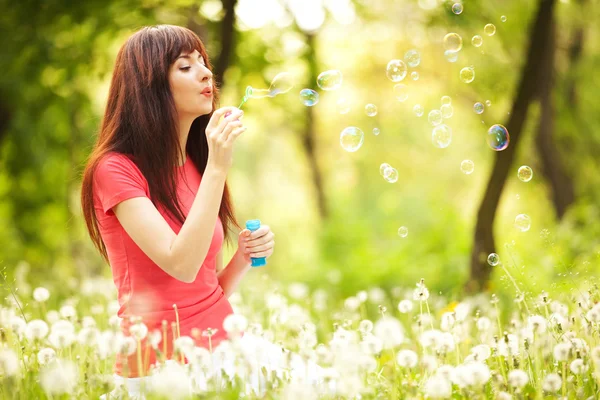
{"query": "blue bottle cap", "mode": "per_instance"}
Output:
(253, 224)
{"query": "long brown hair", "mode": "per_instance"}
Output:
(140, 121)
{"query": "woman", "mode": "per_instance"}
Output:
(155, 198)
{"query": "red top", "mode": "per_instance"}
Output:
(144, 289)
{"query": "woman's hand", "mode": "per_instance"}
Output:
(256, 244)
(222, 130)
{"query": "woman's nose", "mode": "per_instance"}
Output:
(205, 74)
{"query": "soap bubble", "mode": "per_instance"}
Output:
(457, 8)
(352, 138)
(396, 70)
(401, 91)
(371, 110)
(281, 83)
(467, 74)
(447, 111)
(446, 100)
(451, 56)
(418, 110)
(478, 108)
(412, 58)
(435, 117)
(414, 75)
(376, 131)
(343, 105)
(403, 231)
(525, 173)
(452, 42)
(489, 29)
(330, 80)
(523, 222)
(467, 167)
(309, 97)
(390, 175)
(383, 167)
(493, 259)
(503, 18)
(488, 103)
(441, 136)
(477, 41)
(498, 137)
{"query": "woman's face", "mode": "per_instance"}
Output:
(191, 85)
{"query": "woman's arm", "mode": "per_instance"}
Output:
(230, 277)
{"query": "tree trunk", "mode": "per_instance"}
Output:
(563, 193)
(527, 89)
(575, 51)
(308, 136)
(227, 41)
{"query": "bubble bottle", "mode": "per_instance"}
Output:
(252, 225)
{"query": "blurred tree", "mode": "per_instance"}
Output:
(530, 81)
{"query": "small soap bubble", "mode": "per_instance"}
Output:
(441, 136)
(451, 56)
(493, 259)
(343, 105)
(403, 231)
(446, 100)
(518, 196)
(414, 75)
(418, 110)
(401, 91)
(498, 137)
(457, 8)
(476, 40)
(281, 83)
(453, 42)
(396, 70)
(525, 173)
(309, 97)
(330, 80)
(467, 74)
(383, 167)
(391, 175)
(467, 167)
(434, 117)
(376, 131)
(447, 111)
(478, 108)
(503, 18)
(488, 103)
(523, 222)
(352, 138)
(489, 29)
(412, 58)
(371, 110)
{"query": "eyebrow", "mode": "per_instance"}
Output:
(187, 56)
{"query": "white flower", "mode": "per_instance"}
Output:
(138, 331)
(446, 371)
(36, 329)
(461, 311)
(362, 296)
(17, 325)
(509, 349)
(480, 373)
(405, 306)
(298, 290)
(68, 311)
(561, 351)
(365, 326)
(154, 338)
(518, 378)
(235, 324)
(447, 343)
(62, 326)
(537, 323)
(41, 294)
(448, 320)
(596, 354)
(9, 363)
(172, 381)
(376, 295)
(462, 376)
(46, 355)
(594, 314)
(275, 301)
(60, 339)
(503, 396)
(88, 336)
(115, 321)
(126, 345)
(438, 387)
(407, 358)
(483, 324)
(421, 293)
(429, 363)
(299, 391)
(578, 367)
(390, 331)
(481, 352)
(59, 377)
(52, 316)
(184, 344)
(552, 383)
(88, 322)
(430, 338)
(580, 345)
(371, 344)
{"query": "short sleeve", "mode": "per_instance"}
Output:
(116, 179)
